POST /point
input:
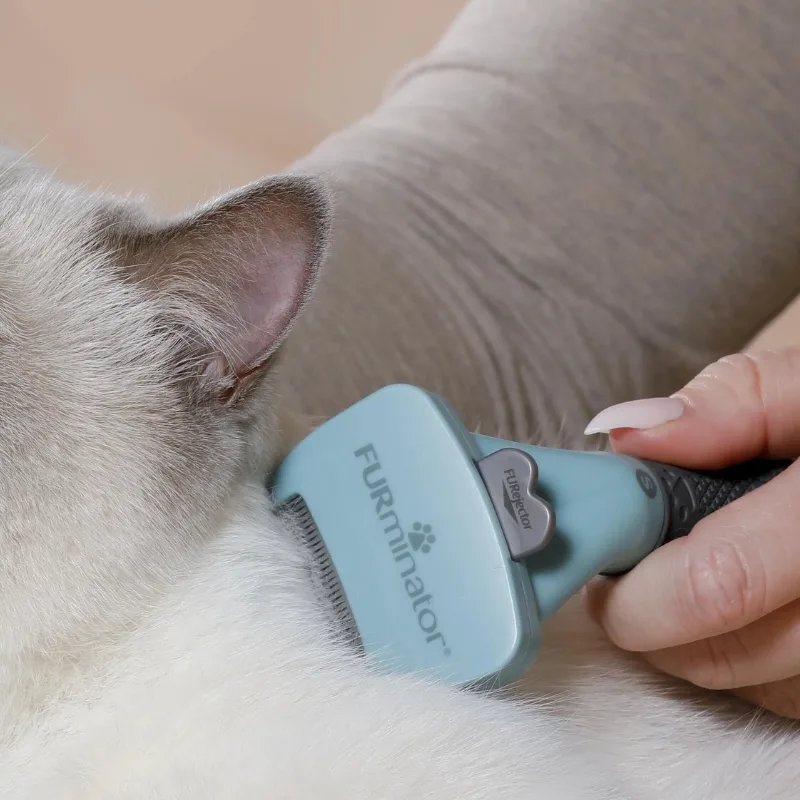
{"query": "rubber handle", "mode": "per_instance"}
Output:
(692, 495)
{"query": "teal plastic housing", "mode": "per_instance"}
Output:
(393, 487)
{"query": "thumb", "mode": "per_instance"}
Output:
(740, 407)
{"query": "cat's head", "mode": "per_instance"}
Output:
(135, 363)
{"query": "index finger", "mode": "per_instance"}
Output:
(736, 566)
(738, 408)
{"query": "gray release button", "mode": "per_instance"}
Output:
(528, 522)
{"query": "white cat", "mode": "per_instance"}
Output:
(160, 638)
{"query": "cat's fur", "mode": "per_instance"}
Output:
(160, 638)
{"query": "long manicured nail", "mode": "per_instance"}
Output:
(641, 414)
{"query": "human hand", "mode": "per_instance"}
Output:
(719, 608)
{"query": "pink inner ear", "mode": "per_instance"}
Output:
(272, 298)
(249, 261)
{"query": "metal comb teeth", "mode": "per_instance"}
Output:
(325, 574)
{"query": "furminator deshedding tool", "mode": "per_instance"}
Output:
(443, 551)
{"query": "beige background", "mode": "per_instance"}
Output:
(180, 99)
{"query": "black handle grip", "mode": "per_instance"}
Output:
(691, 495)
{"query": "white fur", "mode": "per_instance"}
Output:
(232, 687)
(159, 635)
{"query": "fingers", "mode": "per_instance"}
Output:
(721, 607)
(766, 651)
(740, 407)
(736, 566)
(781, 697)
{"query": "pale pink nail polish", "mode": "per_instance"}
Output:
(641, 414)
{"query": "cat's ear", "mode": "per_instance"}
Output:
(244, 266)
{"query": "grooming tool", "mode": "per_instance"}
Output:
(443, 552)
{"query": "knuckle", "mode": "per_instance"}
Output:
(757, 382)
(746, 378)
(788, 707)
(749, 368)
(781, 698)
(712, 665)
(743, 374)
(737, 372)
(724, 591)
(748, 363)
(739, 382)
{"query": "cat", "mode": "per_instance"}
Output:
(160, 635)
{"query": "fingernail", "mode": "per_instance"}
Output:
(641, 414)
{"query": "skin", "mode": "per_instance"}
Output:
(721, 607)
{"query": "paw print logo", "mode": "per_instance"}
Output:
(421, 537)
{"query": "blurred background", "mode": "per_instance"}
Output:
(181, 99)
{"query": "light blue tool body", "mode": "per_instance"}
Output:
(406, 502)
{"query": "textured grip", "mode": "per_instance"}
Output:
(693, 495)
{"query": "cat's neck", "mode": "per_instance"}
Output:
(32, 683)
(250, 567)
